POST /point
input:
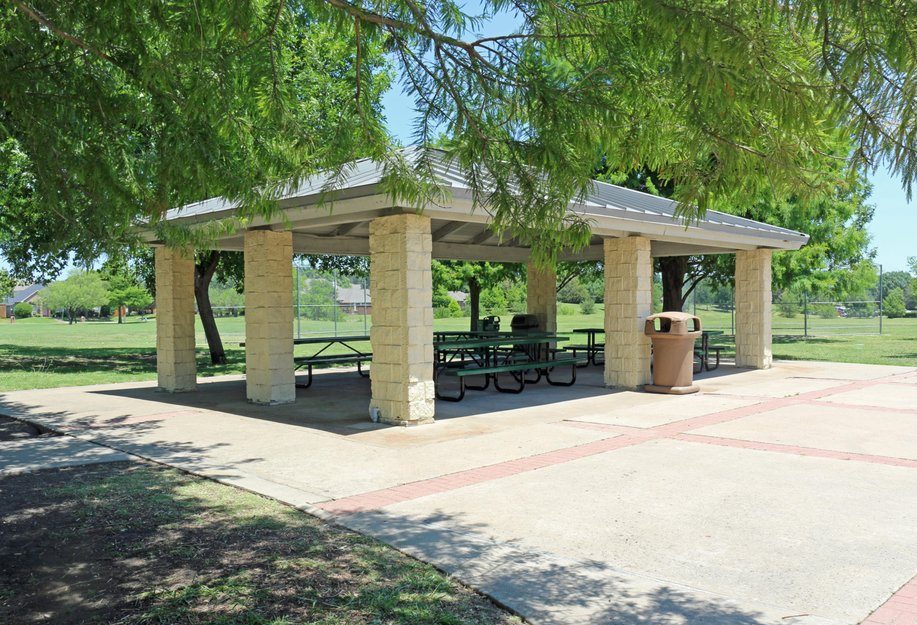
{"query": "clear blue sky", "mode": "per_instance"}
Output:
(894, 226)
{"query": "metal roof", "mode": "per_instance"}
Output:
(23, 294)
(607, 206)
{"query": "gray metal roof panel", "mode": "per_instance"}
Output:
(603, 199)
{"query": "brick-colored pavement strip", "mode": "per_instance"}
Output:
(796, 450)
(623, 436)
(899, 609)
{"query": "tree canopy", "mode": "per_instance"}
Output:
(124, 288)
(7, 284)
(123, 110)
(81, 291)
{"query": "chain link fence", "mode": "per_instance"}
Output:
(793, 314)
(324, 304)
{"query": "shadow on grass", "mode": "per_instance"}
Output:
(126, 360)
(787, 339)
(137, 544)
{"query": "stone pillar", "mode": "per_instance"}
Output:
(401, 287)
(269, 375)
(541, 295)
(753, 309)
(628, 301)
(175, 365)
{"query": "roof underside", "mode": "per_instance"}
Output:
(461, 232)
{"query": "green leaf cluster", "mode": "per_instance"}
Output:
(123, 110)
(80, 291)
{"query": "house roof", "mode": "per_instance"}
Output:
(356, 294)
(353, 294)
(357, 197)
(23, 294)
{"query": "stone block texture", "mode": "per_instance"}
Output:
(269, 373)
(628, 301)
(401, 286)
(753, 309)
(175, 366)
(541, 295)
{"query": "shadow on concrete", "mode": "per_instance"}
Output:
(549, 590)
(338, 401)
(120, 432)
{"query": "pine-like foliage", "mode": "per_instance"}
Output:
(127, 108)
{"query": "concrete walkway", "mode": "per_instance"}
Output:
(36, 454)
(779, 496)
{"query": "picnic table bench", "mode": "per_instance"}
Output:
(494, 356)
(592, 347)
(353, 357)
(702, 354)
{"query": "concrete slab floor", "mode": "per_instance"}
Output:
(580, 504)
(822, 426)
(814, 536)
(886, 396)
(36, 454)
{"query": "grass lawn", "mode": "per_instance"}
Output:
(45, 353)
(134, 544)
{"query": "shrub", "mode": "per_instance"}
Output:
(787, 305)
(565, 310)
(22, 310)
(893, 304)
(824, 310)
(573, 292)
(587, 307)
(493, 301)
(452, 309)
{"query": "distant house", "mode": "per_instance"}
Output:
(27, 294)
(461, 297)
(354, 299)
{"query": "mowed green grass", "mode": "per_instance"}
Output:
(46, 353)
(135, 544)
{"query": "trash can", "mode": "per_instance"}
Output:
(673, 335)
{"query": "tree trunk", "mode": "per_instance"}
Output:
(120, 316)
(474, 294)
(203, 274)
(673, 270)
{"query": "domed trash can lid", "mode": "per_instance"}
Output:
(674, 324)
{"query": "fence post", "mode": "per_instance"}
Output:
(732, 315)
(805, 314)
(880, 299)
(334, 300)
(298, 309)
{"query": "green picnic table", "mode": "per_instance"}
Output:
(483, 359)
(353, 356)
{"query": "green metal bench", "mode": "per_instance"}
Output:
(507, 367)
(330, 359)
(590, 351)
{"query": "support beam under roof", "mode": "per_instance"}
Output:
(482, 237)
(346, 229)
(443, 231)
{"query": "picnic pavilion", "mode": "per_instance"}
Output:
(629, 228)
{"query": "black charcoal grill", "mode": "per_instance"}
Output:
(525, 324)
